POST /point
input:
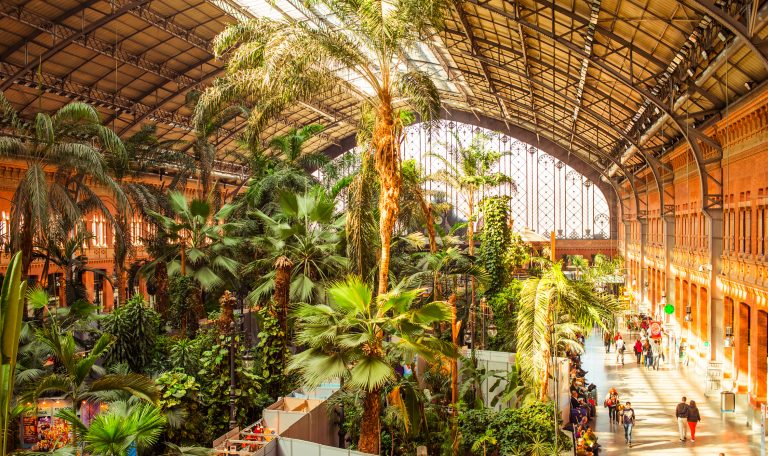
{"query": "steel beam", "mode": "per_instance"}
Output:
(467, 29)
(709, 182)
(723, 18)
(128, 6)
(80, 7)
(59, 31)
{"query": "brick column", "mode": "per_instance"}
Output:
(741, 332)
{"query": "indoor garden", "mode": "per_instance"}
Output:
(385, 275)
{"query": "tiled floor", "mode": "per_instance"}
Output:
(654, 395)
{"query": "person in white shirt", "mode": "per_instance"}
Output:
(620, 351)
(656, 349)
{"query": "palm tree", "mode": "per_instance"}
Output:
(551, 311)
(68, 255)
(290, 147)
(79, 377)
(126, 424)
(416, 204)
(69, 143)
(359, 339)
(468, 168)
(204, 144)
(273, 64)
(142, 150)
(300, 249)
(205, 244)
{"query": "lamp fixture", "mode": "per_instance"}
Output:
(492, 330)
(688, 316)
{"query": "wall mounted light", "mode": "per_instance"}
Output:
(688, 313)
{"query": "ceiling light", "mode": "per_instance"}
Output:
(690, 72)
(721, 36)
(704, 54)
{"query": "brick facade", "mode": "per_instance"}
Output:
(716, 263)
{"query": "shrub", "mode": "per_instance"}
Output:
(516, 431)
(135, 328)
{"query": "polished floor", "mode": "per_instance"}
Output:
(654, 395)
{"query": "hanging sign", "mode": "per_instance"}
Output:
(669, 309)
(655, 330)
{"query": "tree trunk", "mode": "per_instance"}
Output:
(387, 161)
(549, 349)
(455, 327)
(161, 290)
(370, 427)
(283, 267)
(227, 303)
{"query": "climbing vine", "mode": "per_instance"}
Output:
(494, 241)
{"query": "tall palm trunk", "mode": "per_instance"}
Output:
(370, 427)
(283, 266)
(548, 351)
(121, 253)
(161, 289)
(455, 328)
(387, 161)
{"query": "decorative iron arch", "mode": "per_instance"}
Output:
(590, 171)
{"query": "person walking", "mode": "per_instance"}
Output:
(638, 350)
(629, 422)
(620, 350)
(648, 356)
(681, 413)
(693, 419)
(656, 348)
(612, 402)
(607, 341)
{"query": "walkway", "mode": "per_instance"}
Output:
(654, 395)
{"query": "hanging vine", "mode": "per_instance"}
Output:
(494, 241)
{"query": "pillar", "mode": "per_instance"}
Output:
(643, 278)
(627, 234)
(741, 330)
(715, 296)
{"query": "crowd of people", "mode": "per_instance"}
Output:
(583, 407)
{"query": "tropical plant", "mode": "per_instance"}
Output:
(143, 150)
(134, 327)
(272, 353)
(204, 245)
(274, 64)
(300, 249)
(526, 431)
(290, 147)
(179, 392)
(204, 144)
(66, 144)
(76, 374)
(362, 219)
(11, 311)
(215, 380)
(358, 338)
(125, 424)
(416, 206)
(66, 252)
(470, 170)
(551, 311)
(495, 242)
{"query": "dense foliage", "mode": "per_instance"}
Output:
(525, 430)
(134, 328)
(494, 243)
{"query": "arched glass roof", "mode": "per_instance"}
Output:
(615, 83)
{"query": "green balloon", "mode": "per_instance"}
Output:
(669, 309)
